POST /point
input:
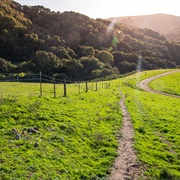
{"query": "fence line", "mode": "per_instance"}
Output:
(42, 85)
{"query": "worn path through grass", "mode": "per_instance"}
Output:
(126, 165)
(156, 127)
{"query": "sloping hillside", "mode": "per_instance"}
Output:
(163, 23)
(72, 45)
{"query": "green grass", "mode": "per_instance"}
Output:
(168, 84)
(157, 130)
(76, 138)
(20, 89)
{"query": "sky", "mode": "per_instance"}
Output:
(109, 8)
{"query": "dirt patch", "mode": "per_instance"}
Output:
(126, 166)
(145, 84)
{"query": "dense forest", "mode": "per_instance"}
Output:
(72, 45)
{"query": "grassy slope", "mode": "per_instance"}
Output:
(76, 139)
(157, 129)
(168, 84)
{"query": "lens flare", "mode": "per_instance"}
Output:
(139, 62)
(111, 25)
(118, 37)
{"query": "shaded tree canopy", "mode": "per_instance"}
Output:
(46, 62)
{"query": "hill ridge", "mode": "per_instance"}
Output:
(166, 24)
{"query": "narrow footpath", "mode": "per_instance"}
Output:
(126, 166)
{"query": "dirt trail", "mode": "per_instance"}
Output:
(125, 166)
(144, 84)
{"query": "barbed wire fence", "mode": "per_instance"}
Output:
(39, 85)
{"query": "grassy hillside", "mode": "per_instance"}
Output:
(76, 137)
(63, 138)
(155, 120)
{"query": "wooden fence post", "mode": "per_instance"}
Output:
(86, 86)
(54, 86)
(17, 77)
(65, 93)
(79, 86)
(40, 81)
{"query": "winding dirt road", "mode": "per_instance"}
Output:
(144, 84)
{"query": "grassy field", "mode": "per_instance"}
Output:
(75, 137)
(168, 84)
(22, 89)
(157, 129)
(59, 138)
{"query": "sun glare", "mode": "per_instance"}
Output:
(114, 8)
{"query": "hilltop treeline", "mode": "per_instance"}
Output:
(72, 45)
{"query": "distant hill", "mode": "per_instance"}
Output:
(165, 24)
